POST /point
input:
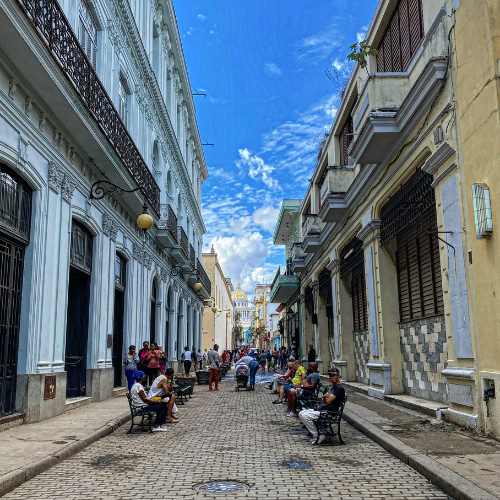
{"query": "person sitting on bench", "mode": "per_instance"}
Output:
(331, 402)
(140, 400)
(304, 389)
(162, 388)
(300, 375)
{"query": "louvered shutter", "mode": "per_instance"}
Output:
(395, 43)
(359, 304)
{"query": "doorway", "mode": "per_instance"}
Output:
(118, 319)
(152, 323)
(78, 310)
(15, 217)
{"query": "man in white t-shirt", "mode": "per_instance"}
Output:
(162, 388)
(187, 360)
(140, 400)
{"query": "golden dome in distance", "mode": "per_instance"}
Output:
(239, 293)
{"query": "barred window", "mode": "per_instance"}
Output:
(87, 33)
(401, 38)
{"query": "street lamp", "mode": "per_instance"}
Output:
(176, 270)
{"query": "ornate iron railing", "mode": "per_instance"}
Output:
(184, 242)
(168, 221)
(204, 279)
(55, 31)
(192, 257)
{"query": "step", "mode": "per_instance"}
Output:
(118, 391)
(73, 403)
(10, 421)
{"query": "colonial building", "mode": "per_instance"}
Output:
(241, 307)
(285, 288)
(385, 273)
(217, 319)
(260, 315)
(94, 94)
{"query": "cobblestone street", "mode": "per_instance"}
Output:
(228, 435)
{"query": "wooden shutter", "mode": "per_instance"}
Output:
(419, 276)
(402, 37)
(345, 140)
(359, 303)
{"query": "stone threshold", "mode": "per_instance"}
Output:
(73, 403)
(9, 421)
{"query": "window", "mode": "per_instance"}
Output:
(123, 103)
(87, 33)
(352, 273)
(401, 38)
(409, 234)
(120, 268)
(345, 139)
(81, 247)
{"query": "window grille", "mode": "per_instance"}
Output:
(482, 210)
(81, 247)
(401, 38)
(87, 33)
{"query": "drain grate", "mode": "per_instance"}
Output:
(296, 464)
(221, 487)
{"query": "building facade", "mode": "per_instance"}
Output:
(94, 91)
(241, 307)
(218, 324)
(386, 275)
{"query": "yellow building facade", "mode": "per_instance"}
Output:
(387, 234)
(476, 57)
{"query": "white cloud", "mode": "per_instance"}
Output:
(272, 69)
(321, 45)
(217, 100)
(361, 34)
(266, 218)
(257, 168)
(201, 17)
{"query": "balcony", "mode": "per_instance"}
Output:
(391, 103)
(311, 230)
(332, 193)
(284, 285)
(167, 227)
(56, 34)
(192, 278)
(206, 291)
(298, 263)
(180, 253)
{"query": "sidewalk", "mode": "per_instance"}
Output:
(460, 462)
(29, 449)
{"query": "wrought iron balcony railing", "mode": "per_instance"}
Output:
(204, 279)
(192, 257)
(168, 221)
(184, 242)
(55, 31)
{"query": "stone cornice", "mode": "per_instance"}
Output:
(369, 228)
(437, 158)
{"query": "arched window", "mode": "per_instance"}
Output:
(155, 159)
(15, 203)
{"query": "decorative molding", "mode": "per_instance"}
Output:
(42, 120)
(68, 188)
(437, 158)
(460, 373)
(452, 166)
(138, 252)
(369, 228)
(164, 274)
(13, 88)
(334, 265)
(28, 105)
(107, 223)
(55, 176)
(148, 260)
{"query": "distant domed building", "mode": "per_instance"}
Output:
(240, 301)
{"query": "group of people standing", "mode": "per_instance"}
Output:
(151, 360)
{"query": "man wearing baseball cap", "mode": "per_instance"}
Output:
(331, 402)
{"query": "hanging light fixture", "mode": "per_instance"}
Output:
(145, 221)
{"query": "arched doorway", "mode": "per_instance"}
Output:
(15, 217)
(77, 325)
(152, 323)
(118, 319)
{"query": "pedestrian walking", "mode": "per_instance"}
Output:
(199, 359)
(213, 361)
(205, 355)
(311, 354)
(254, 366)
(187, 360)
(131, 361)
(194, 358)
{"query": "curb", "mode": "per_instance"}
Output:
(450, 482)
(16, 478)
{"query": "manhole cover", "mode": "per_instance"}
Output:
(105, 460)
(296, 465)
(221, 487)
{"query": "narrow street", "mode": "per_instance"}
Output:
(229, 436)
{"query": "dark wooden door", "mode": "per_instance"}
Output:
(11, 279)
(118, 351)
(77, 332)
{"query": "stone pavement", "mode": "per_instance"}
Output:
(228, 435)
(471, 456)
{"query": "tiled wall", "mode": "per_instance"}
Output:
(425, 356)
(361, 355)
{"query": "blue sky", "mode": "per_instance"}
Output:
(262, 64)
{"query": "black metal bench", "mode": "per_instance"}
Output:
(308, 403)
(327, 419)
(182, 392)
(143, 413)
